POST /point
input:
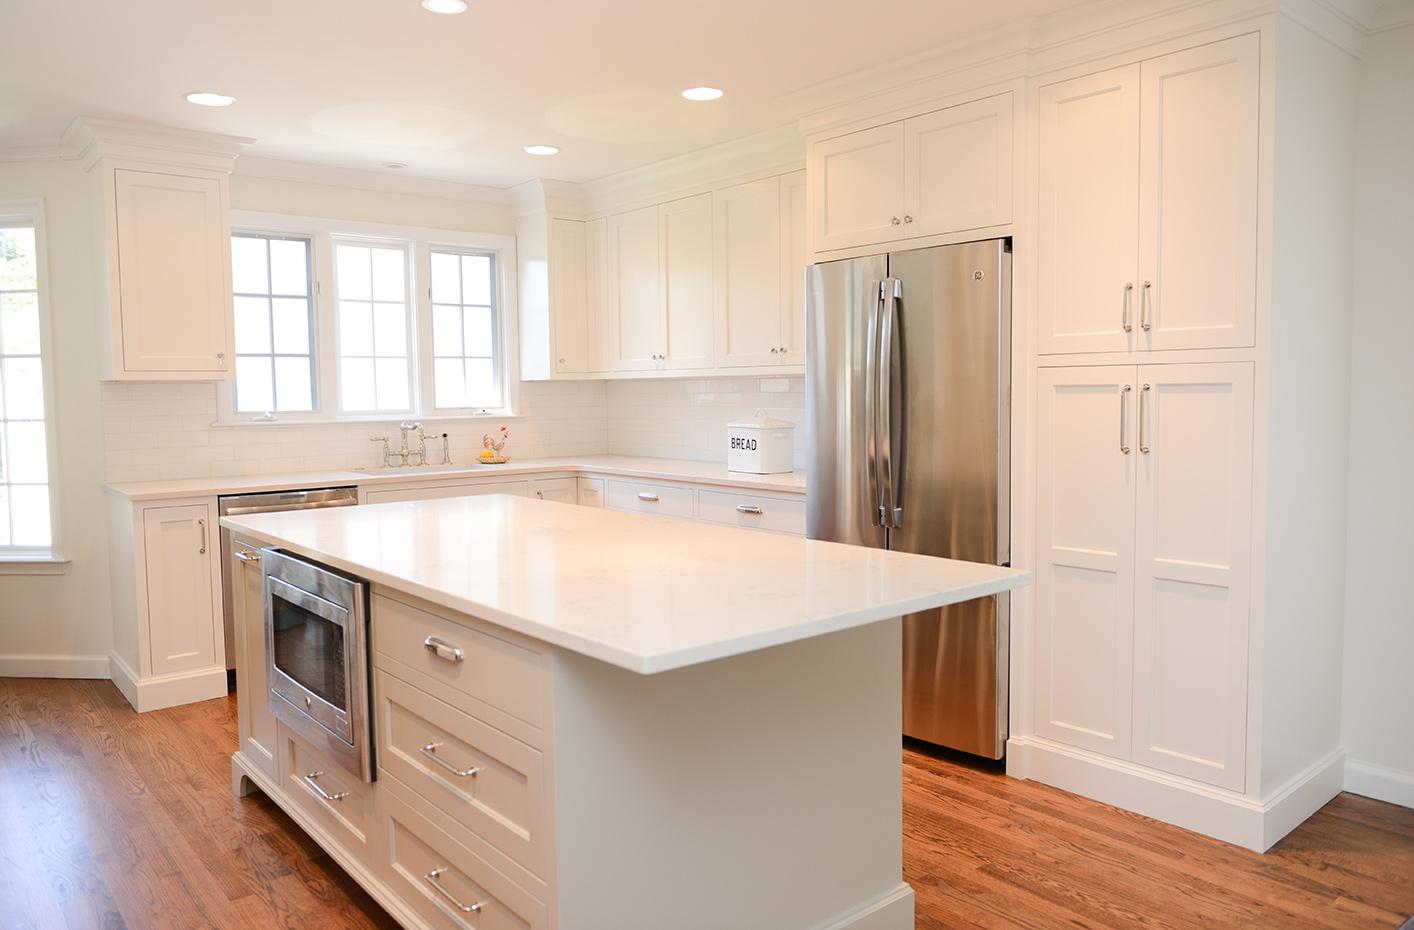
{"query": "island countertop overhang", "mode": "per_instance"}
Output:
(647, 594)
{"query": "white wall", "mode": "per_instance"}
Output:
(1378, 723)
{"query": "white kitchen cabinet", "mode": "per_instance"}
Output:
(685, 241)
(258, 737)
(563, 490)
(957, 168)
(750, 296)
(425, 491)
(795, 251)
(857, 187)
(637, 323)
(590, 492)
(570, 308)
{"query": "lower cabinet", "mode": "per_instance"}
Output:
(258, 740)
(340, 803)
(590, 491)
(424, 491)
(563, 490)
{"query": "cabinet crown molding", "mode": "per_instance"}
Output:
(90, 139)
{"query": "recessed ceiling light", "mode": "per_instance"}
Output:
(395, 165)
(541, 149)
(444, 6)
(701, 93)
(206, 98)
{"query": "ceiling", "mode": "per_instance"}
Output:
(357, 83)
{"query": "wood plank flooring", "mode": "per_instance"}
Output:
(113, 820)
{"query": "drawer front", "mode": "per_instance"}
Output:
(449, 885)
(489, 782)
(326, 791)
(757, 513)
(640, 497)
(591, 492)
(433, 491)
(507, 678)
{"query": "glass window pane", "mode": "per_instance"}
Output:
(446, 330)
(390, 329)
(24, 389)
(29, 459)
(388, 271)
(4, 515)
(292, 384)
(353, 272)
(476, 279)
(18, 269)
(479, 337)
(253, 384)
(356, 384)
(19, 324)
(289, 267)
(29, 515)
(448, 383)
(481, 388)
(249, 273)
(446, 284)
(392, 377)
(252, 324)
(355, 328)
(291, 325)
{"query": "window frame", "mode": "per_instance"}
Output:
(324, 234)
(427, 360)
(316, 388)
(31, 559)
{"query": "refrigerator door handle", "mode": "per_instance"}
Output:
(890, 290)
(871, 413)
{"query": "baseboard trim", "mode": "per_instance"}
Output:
(1376, 781)
(53, 666)
(157, 692)
(893, 911)
(1221, 814)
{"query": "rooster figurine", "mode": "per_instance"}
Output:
(491, 448)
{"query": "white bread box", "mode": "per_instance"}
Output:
(760, 445)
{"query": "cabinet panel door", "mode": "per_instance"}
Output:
(685, 245)
(424, 492)
(1085, 557)
(1087, 240)
(554, 489)
(1198, 196)
(857, 188)
(173, 259)
(637, 323)
(1193, 566)
(181, 613)
(749, 267)
(794, 257)
(259, 742)
(569, 296)
(596, 274)
(957, 168)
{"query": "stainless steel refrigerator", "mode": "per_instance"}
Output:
(907, 414)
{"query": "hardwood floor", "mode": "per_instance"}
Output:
(109, 819)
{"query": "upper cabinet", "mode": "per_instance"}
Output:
(636, 321)
(1147, 235)
(685, 268)
(939, 173)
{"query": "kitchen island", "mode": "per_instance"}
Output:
(647, 723)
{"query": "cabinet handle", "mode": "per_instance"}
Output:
(775, 351)
(443, 649)
(647, 496)
(1145, 299)
(1128, 297)
(202, 524)
(540, 494)
(430, 751)
(907, 219)
(221, 360)
(247, 555)
(1123, 417)
(432, 879)
(310, 780)
(748, 508)
(895, 221)
(1143, 433)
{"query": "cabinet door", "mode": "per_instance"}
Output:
(1192, 557)
(182, 632)
(424, 492)
(569, 296)
(636, 314)
(856, 195)
(685, 244)
(591, 492)
(957, 168)
(1086, 453)
(1198, 196)
(257, 725)
(1087, 241)
(173, 278)
(749, 268)
(794, 258)
(596, 234)
(554, 489)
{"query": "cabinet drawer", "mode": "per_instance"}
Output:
(591, 492)
(639, 497)
(489, 782)
(509, 682)
(327, 792)
(757, 513)
(448, 884)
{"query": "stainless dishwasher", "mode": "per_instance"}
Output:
(271, 501)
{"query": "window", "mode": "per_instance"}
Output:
(274, 323)
(464, 331)
(26, 525)
(373, 328)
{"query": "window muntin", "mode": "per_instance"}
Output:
(372, 293)
(274, 309)
(26, 525)
(465, 338)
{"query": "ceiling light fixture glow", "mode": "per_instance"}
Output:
(541, 149)
(701, 93)
(447, 7)
(206, 98)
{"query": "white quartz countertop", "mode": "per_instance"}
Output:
(645, 593)
(626, 466)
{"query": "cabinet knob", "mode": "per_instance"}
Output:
(775, 351)
(562, 361)
(895, 221)
(908, 219)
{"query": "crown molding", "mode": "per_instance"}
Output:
(546, 195)
(90, 139)
(304, 172)
(1393, 14)
(35, 149)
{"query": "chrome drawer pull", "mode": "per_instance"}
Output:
(310, 780)
(443, 649)
(649, 497)
(430, 751)
(246, 555)
(748, 508)
(432, 879)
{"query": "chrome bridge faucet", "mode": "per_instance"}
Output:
(406, 455)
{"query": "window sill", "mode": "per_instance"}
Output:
(390, 418)
(33, 565)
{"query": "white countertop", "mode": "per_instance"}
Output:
(645, 593)
(627, 466)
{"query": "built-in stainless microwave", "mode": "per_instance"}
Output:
(316, 647)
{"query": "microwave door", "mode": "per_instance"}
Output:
(309, 655)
